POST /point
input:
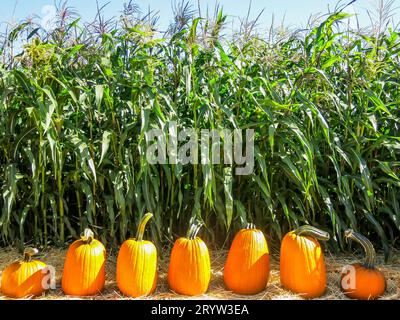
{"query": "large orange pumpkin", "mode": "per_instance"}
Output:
(302, 265)
(137, 264)
(84, 266)
(247, 266)
(189, 268)
(24, 278)
(362, 280)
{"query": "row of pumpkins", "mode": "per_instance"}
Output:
(302, 266)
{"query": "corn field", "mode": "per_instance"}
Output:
(76, 102)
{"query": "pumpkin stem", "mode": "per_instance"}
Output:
(87, 236)
(142, 226)
(250, 226)
(308, 230)
(191, 229)
(366, 244)
(194, 229)
(29, 252)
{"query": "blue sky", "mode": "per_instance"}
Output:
(296, 12)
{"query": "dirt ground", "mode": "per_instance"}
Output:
(55, 257)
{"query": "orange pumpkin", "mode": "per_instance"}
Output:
(189, 268)
(84, 266)
(363, 281)
(247, 266)
(137, 264)
(302, 265)
(24, 278)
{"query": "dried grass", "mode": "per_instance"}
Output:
(274, 291)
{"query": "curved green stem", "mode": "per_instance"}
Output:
(87, 236)
(366, 244)
(307, 230)
(142, 226)
(29, 252)
(194, 229)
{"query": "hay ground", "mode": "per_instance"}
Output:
(55, 257)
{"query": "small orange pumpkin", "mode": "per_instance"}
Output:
(24, 278)
(247, 266)
(137, 264)
(189, 268)
(302, 265)
(84, 266)
(362, 281)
